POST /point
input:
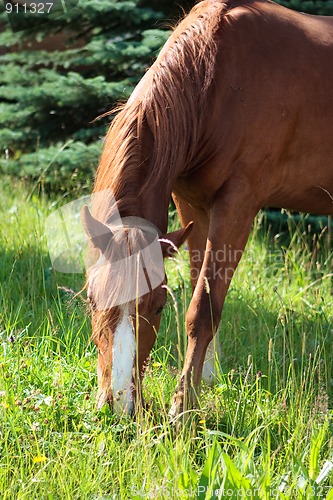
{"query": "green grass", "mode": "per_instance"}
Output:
(264, 431)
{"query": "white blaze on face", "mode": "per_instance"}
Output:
(213, 354)
(123, 356)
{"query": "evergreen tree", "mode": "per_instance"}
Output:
(317, 7)
(49, 98)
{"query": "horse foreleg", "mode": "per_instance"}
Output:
(231, 218)
(196, 245)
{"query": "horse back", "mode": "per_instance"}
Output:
(272, 108)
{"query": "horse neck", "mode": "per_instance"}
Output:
(149, 201)
(143, 183)
(155, 204)
(145, 191)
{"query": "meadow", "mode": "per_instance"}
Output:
(264, 431)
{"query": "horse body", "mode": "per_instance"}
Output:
(235, 114)
(272, 112)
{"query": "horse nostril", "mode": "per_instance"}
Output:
(118, 395)
(123, 402)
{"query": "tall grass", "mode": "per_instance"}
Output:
(263, 431)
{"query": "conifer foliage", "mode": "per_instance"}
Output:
(58, 76)
(316, 7)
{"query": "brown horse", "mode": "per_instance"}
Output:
(235, 114)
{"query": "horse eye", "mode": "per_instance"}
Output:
(159, 310)
(92, 303)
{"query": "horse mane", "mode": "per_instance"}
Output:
(160, 126)
(118, 274)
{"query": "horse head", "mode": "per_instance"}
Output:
(126, 290)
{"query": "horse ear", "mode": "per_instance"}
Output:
(172, 241)
(99, 234)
